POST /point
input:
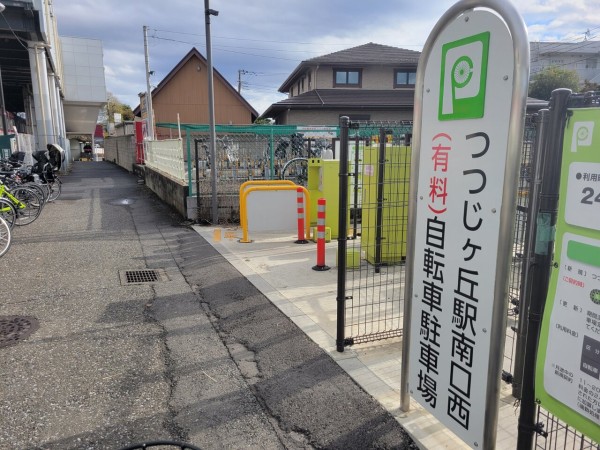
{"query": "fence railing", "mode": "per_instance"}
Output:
(372, 284)
(242, 153)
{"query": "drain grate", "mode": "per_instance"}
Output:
(142, 276)
(14, 329)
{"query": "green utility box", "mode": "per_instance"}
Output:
(384, 223)
(324, 182)
(8, 145)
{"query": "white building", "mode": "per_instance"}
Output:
(582, 57)
(53, 86)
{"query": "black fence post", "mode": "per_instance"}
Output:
(544, 215)
(342, 235)
(380, 199)
(541, 123)
(356, 210)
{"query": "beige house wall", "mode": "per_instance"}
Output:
(186, 94)
(373, 77)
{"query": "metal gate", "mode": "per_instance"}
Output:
(377, 179)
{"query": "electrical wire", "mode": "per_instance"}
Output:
(270, 41)
(226, 50)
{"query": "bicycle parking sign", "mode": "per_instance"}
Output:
(468, 129)
(568, 364)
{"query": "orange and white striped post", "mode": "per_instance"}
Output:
(301, 218)
(321, 236)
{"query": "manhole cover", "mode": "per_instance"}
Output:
(14, 329)
(142, 276)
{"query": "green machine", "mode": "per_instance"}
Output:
(385, 188)
(324, 182)
(8, 145)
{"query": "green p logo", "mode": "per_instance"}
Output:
(464, 73)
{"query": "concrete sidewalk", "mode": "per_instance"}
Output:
(193, 352)
(282, 271)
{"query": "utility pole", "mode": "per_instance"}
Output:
(240, 73)
(149, 112)
(211, 113)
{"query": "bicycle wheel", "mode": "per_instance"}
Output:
(55, 188)
(5, 237)
(30, 205)
(40, 189)
(296, 169)
(8, 212)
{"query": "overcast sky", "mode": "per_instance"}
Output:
(268, 38)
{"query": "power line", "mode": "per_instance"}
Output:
(559, 65)
(568, 44)
(565, 40)
(224, 47)
(271, 41)
(226, 50)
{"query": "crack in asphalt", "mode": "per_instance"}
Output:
(245, 360)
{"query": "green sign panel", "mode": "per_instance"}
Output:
(463, 78)
(568, 364)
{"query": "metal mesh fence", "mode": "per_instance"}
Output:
(519, 256)
(378, 182)
(379, 171)
(558, 435)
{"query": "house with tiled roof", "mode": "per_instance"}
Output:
(368, 82)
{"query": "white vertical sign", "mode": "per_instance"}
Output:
(459, 219)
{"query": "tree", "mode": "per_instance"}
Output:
(550, 78)
(264, 121)
(114, 105)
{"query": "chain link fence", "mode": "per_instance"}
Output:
(243, 153)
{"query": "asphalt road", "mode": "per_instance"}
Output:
(199, 355)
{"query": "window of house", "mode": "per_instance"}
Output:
(347, 77)
(404, 77)
(309, 81)
(591, 63)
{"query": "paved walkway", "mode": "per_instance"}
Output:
(198, 354)
(283, 271)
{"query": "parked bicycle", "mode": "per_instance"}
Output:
(8, 212)
(5, 237)
(26, 202)
(42, 176)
